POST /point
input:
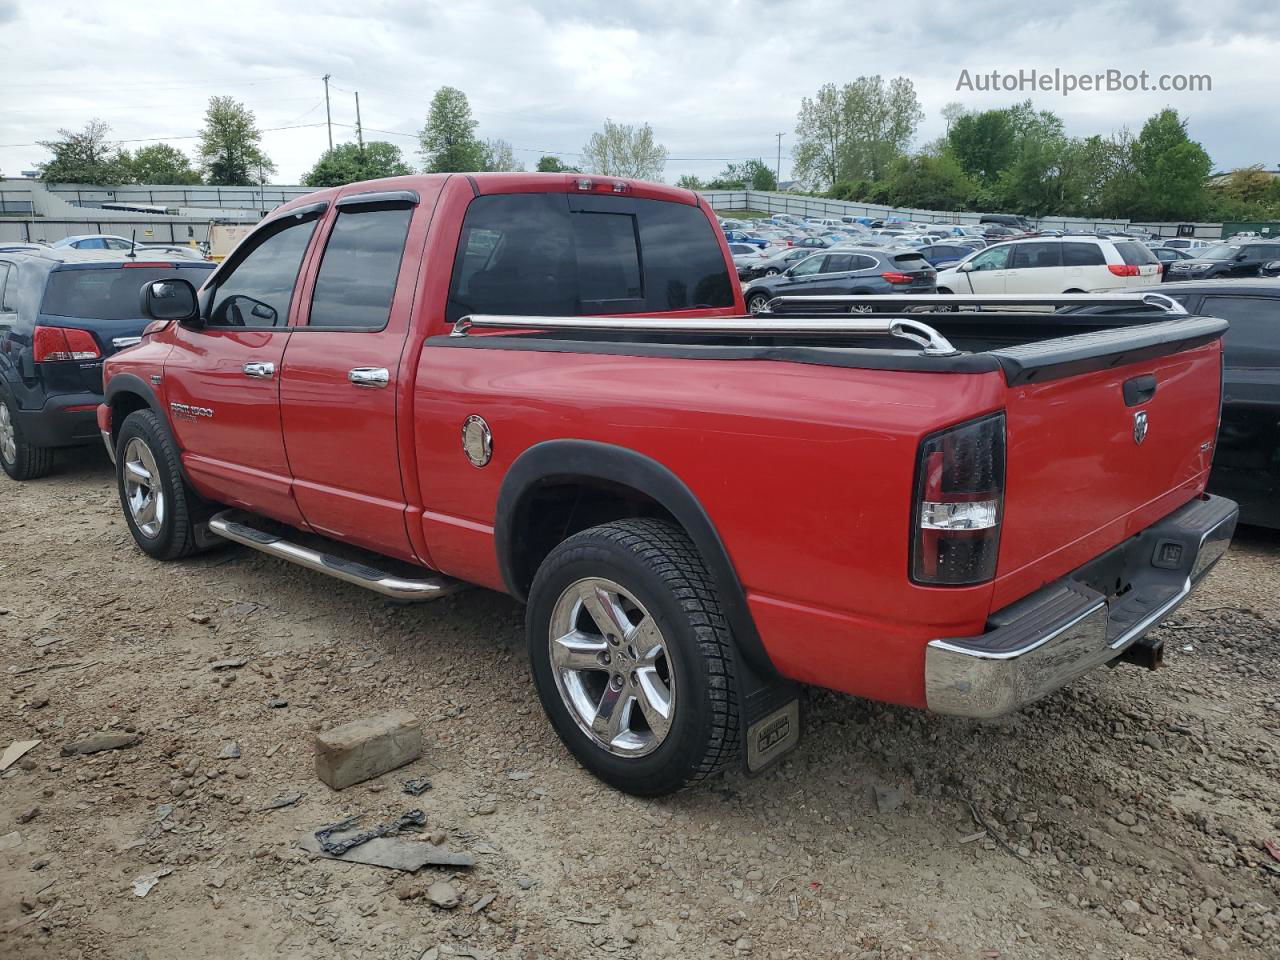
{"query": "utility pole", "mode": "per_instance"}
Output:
(359, 128)
(777, 173)
(328, 118)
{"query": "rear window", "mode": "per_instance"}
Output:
(110, 293)
(1136, 254)
(1078, 254)
(911, 261)
(544, 254)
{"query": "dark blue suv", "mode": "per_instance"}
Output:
(61, 313)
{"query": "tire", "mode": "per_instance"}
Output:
(20, 459)
(772, 272)
(649, 573)
(757, 302)
(159, 510)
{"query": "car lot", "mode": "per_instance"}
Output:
(1126, 814)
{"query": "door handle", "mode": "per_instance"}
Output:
(260, 371)
(369, 376)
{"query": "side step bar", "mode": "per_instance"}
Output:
(225, 525)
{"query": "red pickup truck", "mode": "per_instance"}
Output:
(548, 385)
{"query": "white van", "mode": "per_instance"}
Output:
(1053, 265)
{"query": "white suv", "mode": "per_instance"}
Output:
(1053, 265)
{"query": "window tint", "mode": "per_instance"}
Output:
(838, 263)
(1135, 254)
(113, 244)
(260, 287)
(911, 261)
(548, 253)
(4, 284)
(95, 243)
(1036, 255)
(357, 276)
(997, 258)
(861, 262)
(1082, 255)
(807, 268)
(1254, 321)
(110, 293)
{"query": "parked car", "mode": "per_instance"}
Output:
(942, 255)
(746, 257)
(1167, 257)
(61, 312)
(996, 231)
(1015, 223)
(808, 243)
(1271, 269)
(1185, 243)
(93, 241)
(874, 510)
(853, 272)
(1065, 265)
(1226, 260)
(772, 263)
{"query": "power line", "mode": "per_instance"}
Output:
(176, 136)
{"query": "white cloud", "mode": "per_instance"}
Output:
(715, 79)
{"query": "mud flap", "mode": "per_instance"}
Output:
(770, 712)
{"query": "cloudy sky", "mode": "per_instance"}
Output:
(717, 79)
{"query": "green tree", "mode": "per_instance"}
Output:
(927, 182)
(551, 164)
(348, 162)
(230, 150)
(161, 163)
(689, 182)
(1172, 168)
(983, 143)
(448, 141)
(821, 138)
(625, 150)
(855, 131)
(499, 157)
(85, 156)
(750, 174)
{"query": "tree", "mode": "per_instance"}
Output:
(855, 131)
(927, 182)
(498, 156)
(952, 112)
(550, 164)
(448, 141)
(1172, 168)
(689, 182)
(161, 163)
(230, 149)
(625, 150)
(85, 156)
(750, 174)
(983, 143)
(348, 162)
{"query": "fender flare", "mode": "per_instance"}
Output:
(131, 383)
(565, 460)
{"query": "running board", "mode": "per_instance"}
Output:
(362, 575)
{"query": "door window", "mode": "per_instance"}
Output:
(361, 263)
(259, 289)
(6, 311)
(808, 268)
(1036, 255)
(997, 258)
(838, 263)
(1083, 255)
(1254, 323)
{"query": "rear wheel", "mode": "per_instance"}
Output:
(158, 505)
(21, 460)
(771, 272)
(632, 658)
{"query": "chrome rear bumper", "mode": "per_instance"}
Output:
(1051, 637)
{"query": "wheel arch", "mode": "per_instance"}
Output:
(612, 478)
(127, 393)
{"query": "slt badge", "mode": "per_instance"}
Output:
(1139, 426)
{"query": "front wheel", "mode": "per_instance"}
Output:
(158, 506)
(21, 460)
(758, 303)
(632, 657)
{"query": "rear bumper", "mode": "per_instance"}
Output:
(1067, 628)
(65, 420)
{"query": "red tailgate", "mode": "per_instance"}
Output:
(1083, 470)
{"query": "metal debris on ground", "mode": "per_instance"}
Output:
(284, 800)
(394, 853)
(417, 786)
(414, 818)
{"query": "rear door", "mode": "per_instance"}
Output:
(342, 385)
(1084, 266)
(1035, 267)
(221, 380)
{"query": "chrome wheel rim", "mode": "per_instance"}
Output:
(758, 304)
(142, 490)
(612, 668)
(8, 436)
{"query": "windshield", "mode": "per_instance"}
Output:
(1219, 251)
(108, 294)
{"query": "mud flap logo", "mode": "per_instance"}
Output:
(772, 736)
(185, 411)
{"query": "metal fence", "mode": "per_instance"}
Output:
(144, 230)
(155, 195)
(729, 200)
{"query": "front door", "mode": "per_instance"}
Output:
(988, 270)
(221, 380)
(344, 385)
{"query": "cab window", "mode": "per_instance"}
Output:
(259, 289)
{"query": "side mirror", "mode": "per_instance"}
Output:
(173, 299)
(965, 267)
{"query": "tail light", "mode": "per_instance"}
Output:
(896, 278)
(959, 501)
(63, 343)
(1123, 270)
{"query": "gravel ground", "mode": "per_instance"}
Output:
(1122, 818)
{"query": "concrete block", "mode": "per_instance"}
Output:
(364, 749)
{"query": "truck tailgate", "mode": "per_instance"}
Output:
(1095, 456)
